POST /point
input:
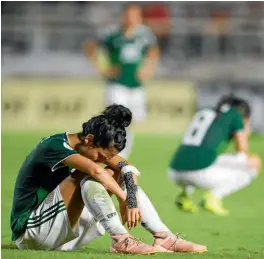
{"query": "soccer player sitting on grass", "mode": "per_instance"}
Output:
(61, 198)
(197, 162)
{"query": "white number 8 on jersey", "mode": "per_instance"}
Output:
(199, 127)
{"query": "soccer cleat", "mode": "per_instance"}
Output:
(214, 205)
(169, 243)
(126, 244)
(185, 203)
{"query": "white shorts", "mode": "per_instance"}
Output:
(48, 227)
(227, 169)
(134, 99)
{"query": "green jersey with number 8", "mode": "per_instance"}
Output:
(207, 135)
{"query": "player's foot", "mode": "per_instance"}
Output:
(126, 244)
(170, 243)
(185, 203)
(214, 205)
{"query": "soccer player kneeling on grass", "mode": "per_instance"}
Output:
(62, 194)
(197, 163)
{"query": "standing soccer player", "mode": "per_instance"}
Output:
(197, 163)
(133, 54)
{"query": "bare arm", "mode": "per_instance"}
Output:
(241, 142)
(149, 66)
(89, 167)
(91, 50)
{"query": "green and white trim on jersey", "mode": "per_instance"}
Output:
(40, 174)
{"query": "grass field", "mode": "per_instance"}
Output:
(240, 236)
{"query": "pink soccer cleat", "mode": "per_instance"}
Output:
(126, 244)
(169, 243)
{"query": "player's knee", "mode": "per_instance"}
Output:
(255, 162)
(93, 188)
(172, 175)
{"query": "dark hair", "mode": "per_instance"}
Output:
(108, 128)
(240, 104)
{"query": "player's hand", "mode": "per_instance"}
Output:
(134, 217)
(130, 216)
(109, 72)
(143, 75)
(123, 211)
(254, 161)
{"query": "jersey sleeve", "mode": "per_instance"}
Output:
(237, 123)
(56, 151)
(104, 37)
(149, 38)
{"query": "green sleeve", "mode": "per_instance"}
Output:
(56, 151)
(104, 38)
(237, 122)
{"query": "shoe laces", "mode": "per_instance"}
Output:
(178, 238)
(132, 241)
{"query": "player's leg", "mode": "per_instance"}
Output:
(102, 216)
(234, 174)
(88, 230)
(164, 239)
(137, 105)
(184, 198)
(55, 221)
(228, 174)
(50, 226)
(81, 220)
(207, 179)
(100, 204)
(121, 95)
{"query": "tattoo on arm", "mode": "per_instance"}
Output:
(122, 164)
(130, 186)
(131, 191)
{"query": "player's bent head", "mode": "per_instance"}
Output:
(238, 103)
(132, 14)
(104, 135)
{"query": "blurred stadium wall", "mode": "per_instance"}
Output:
(211, 49)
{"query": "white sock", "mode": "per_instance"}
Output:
(189, 190)
(101, 206)
(88, 230)
(151, 220)
(129, 144)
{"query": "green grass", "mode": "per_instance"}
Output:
(239, 236)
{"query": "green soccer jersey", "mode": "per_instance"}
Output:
(41, 172)
(206, 137)
(127, 54)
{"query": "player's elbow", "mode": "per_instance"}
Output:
(100, 174)
(89, 47)
(154, 53)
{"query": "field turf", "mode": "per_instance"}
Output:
(239, 236)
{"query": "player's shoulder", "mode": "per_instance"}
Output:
(233, 112)
(55, 137)
(146, 34)
(144, 30)
(55, 141)
(110, 31)
(203, 109)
